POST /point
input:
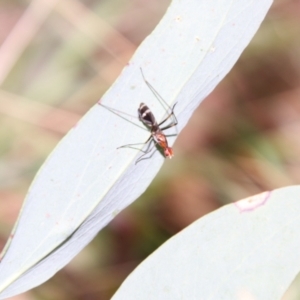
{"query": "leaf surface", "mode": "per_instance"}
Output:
(86, 180)
(246, 250)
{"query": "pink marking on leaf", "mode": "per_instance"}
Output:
(252, 203)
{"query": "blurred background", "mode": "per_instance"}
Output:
(57, 58)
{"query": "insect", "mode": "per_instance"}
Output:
(157, 136)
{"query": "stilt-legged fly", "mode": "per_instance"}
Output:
(157, 135)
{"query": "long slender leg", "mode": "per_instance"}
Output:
(155, 92)
(142, 156)
(144, 151)
(161, 100)
(130, 145)
(169, 126)
(120, 115)
(169, 116)
(173, 123)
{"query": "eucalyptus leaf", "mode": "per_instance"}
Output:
(86, 181)
(246, 250)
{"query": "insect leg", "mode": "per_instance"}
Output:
(155, 92)
(131, 145)
(173, 123)
(146, 152)
(121, 114)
